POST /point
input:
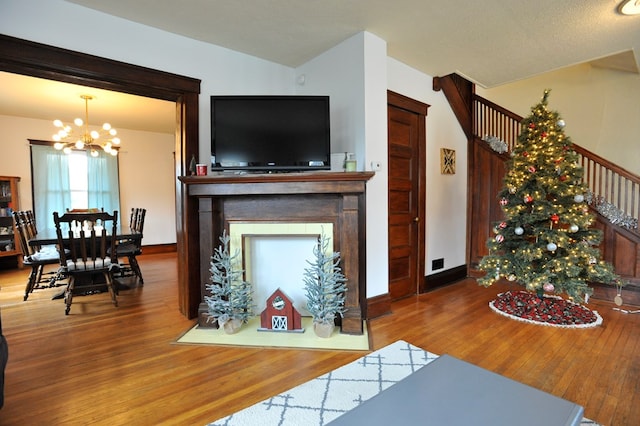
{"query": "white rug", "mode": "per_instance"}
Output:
(321, 400)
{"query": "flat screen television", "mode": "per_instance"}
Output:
(270, 133)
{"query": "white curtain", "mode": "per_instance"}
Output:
(51, 188)
(51, 192)
(103, 188)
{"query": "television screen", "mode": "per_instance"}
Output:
(270, 133)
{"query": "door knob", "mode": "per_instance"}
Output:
(416, 219)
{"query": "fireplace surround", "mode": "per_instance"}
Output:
(336, 198)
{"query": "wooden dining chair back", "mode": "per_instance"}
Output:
(131, 248)
(88, 239)
(35, 257)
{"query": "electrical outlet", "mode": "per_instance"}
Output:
(376, 166)
(437, 264)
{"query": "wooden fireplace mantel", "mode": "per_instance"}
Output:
(312, 197)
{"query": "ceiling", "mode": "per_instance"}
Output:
(490, 42)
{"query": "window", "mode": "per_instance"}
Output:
(77, 180)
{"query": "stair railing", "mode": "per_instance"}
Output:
(614, 191)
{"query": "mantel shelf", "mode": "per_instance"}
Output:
(229, 177)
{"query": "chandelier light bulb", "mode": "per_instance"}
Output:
(83, 138)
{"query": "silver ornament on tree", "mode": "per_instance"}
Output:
(560, 123)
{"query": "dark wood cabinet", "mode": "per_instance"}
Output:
(9, 240)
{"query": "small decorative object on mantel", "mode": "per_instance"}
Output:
(280, 314)
(325, 287)
(230, 303)
(192, 166)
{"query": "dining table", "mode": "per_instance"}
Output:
(48, 236)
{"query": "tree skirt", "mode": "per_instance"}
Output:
(549, 310)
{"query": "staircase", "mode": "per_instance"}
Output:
(614, 192)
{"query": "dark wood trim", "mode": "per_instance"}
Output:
(447, 277)
(378, 306)
(159, 248)
(404, 102)
(400, 101)
(39, 60)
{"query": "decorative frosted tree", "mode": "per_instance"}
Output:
(545, 242)
(325, 284)
(231, 297)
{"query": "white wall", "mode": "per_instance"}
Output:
(146, 172)
(355, 73)
(446, 195)
(600, 106)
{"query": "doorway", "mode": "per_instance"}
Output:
(53, 63)
(406, 124)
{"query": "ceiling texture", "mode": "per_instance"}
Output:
(490, 42)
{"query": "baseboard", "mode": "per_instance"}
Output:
(159, 248)
(378, 306)
(443, 278)
(630, 293)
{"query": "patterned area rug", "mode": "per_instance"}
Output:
(323, 399)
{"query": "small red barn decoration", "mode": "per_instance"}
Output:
(280, 314)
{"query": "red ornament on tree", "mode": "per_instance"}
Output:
(555, 218)
(532, 125)
(563, 177)
(525, 154)
(532, 169)
(528, 199)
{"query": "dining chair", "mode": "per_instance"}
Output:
(88, 238)
(130, 248)
(37, 258)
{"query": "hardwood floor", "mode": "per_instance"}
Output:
(112, 366)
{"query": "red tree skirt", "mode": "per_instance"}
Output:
(548, 310)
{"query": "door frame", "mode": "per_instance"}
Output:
(53, 63)
(397, 100)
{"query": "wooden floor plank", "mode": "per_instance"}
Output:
(109, 366)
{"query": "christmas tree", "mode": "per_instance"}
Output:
(231, 297)
(545, 242)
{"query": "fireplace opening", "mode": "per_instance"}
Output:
(275, 255)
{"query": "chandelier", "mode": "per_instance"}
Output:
(67, 139)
